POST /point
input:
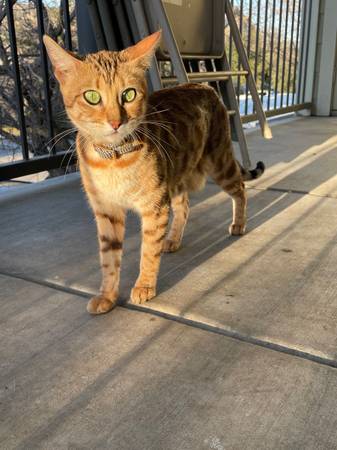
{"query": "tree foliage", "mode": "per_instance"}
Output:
(31, 70)
(270, 38)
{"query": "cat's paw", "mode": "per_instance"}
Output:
(142, 294)
(237, 229)
(100, 304)
(170, 246)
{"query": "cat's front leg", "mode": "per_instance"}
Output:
(110, 229)
(154, 224)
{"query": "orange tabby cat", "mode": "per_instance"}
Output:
(144, 153)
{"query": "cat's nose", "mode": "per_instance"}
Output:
(115, 124)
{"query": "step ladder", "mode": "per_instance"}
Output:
(218, 71)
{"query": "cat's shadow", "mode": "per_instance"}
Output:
(207, 234)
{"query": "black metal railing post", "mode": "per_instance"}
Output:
(45, 71)
(17, 79)
(66, 24)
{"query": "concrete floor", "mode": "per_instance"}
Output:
(238, 350)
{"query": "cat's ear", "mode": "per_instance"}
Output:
(62, 61)
(143, 51)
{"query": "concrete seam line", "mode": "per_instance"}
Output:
(190, 322)
(289, 191)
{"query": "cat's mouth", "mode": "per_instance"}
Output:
(124, 132)
(114, 134)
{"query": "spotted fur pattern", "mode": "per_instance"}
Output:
(183, 135)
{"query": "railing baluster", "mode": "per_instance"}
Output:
(248, 49)
(264, 49)
(239, 65)
(284, 54)
(66, 22)
(45, 72)
(291, 49)
(300, 68)
(231, 43)
(17, 80)
(306, 31)
(271, 53)
(278, 52)
(257, 39)
(296, 49)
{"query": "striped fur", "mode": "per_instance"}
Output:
(183, 135)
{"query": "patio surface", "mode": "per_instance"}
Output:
(238, 350)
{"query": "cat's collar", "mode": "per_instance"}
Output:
(113, 151)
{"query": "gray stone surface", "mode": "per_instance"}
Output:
(128, 380)
(302, 156)
(277, 283)
(33, 317)
(132, 380)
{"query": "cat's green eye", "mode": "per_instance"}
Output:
(129, 95)
(92, 97)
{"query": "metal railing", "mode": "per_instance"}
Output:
(33, 129)
(273, 32)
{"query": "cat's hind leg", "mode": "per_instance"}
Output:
(229, 177)
(180, 208)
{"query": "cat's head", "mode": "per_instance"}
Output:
(105, 92)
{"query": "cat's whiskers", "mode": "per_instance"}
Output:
(164, 122)
(144, 133)
(58, 138)
(72, 148)
(62, 117)
(155, 140)
(145, 116)
(163, 126)
(135, 136)
(66, 153)
(61, 113)
(155, 108)
(156, 112)
(163, 140)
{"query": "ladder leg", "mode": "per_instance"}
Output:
(160, 14)
(229, 92)
(139, 16)
(266, 131)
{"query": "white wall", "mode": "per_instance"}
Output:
(326, 58)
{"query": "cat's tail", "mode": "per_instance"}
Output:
(254, 173)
